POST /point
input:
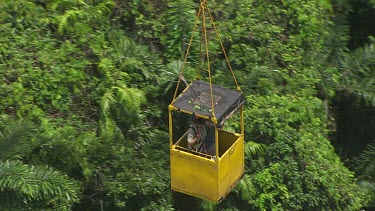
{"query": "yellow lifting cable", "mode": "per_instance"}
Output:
(202, 8)
(198, 77)
(187, 54)
(204, 5)
(225, 54)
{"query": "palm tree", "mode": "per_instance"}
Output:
(365, 167)
(358, 73)
(79, 11)
(24, 186)
(119, 105)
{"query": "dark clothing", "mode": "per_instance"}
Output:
(206, 142)
(193, 133)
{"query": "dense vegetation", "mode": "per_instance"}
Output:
(85, 84)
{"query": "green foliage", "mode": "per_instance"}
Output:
(358, 73)
(271, 43)
(79, 13)
(178, 21)
(25, 186)
(66, 149)
(367, 186)
(253, 149)
(364, 165)
(121, 104)
(142, 19)
(42, 76)
(117, 159)
(300, 169)
(135, 60)
(31, 187)
(90, 82)
(15, 139)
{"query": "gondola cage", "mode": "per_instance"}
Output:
(209, 177)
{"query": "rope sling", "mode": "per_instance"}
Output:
(203, 9)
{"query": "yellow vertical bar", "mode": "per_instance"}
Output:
(170, 129)
(216, 143)
(243, 137)
(214, 120)
(242, 123)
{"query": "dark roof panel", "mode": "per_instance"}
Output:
(197, 99)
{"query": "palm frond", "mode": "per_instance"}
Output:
(130, 64)
(100, 9)
(36, 183)
(107, 101)
(70, 15)
(105, 67)
(129, 97)
(365, 162)
(368, 187)
(121, 104)
(14, 139)
(358, 73)
(246, 188)
(79, 11)
(170, 74)
(252, 149)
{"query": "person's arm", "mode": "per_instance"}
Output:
(194, 136)
(192, 139)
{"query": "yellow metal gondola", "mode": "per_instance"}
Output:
(198, 174)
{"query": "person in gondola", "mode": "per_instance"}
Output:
(196, 135)
(201, 136)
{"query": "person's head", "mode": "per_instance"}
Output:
(199, 122)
